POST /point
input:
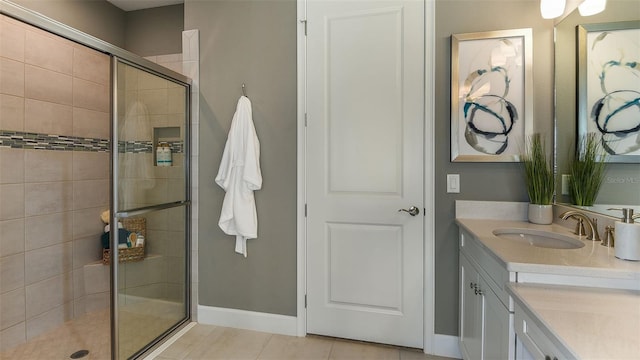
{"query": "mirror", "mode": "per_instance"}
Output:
(621, 185)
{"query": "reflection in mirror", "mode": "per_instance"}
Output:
(621, 185)
(608, 87)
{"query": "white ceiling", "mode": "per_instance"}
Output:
(130, 5)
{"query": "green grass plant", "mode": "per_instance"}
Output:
(538, 172)
(587, 170)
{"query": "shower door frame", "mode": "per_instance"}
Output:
(117, 215)
(33, 18)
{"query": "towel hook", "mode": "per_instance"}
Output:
(243, 90)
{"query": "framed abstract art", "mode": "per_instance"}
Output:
(491, 95)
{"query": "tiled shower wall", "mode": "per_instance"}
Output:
(54, 177)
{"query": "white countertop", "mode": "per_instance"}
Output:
(591, 323)
(592, 260)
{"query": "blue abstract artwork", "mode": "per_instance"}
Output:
(613, 89)
(489, 96)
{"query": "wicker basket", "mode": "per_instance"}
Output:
(134, 224)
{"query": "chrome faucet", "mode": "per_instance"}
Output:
(593, 223)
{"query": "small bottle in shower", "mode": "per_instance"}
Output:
(166, 155)
(159, 154)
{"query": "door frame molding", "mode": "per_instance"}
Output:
(429, 176)
(301, 199)
(429, 172)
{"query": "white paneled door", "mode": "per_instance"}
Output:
(365, 159)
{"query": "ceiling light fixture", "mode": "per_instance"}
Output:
(592, 7)
(552, 8)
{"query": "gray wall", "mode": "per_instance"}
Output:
(254, 42)
(251, 42)
(156, 31)
(479, 181)
(98, 18)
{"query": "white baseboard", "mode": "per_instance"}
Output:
(443, 345)
(447, 346)
(250, 320)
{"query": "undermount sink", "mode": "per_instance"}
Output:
(539, 238)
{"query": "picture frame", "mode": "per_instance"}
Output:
(608, 87)
(491, 95)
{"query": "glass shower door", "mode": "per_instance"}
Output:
(150, 199)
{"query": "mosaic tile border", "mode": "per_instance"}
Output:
(147, 146)
(135, 147)
(27, 140)
(37, 141)
(177, 146)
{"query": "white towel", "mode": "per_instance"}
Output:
(239, 175)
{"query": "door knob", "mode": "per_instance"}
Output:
(413, 211)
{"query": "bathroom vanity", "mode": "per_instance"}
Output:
(522, 301)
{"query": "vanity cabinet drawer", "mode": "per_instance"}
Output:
(537, 345)
(496, 274)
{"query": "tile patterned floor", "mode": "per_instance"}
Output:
(205, 342)
(208, 342)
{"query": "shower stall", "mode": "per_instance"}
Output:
(94, 195)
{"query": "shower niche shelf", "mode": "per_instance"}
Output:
(169, 135)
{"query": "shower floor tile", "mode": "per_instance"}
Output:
(87, 332)
(139, 324)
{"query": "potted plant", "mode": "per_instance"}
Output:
(587, 170)
(539, 180)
